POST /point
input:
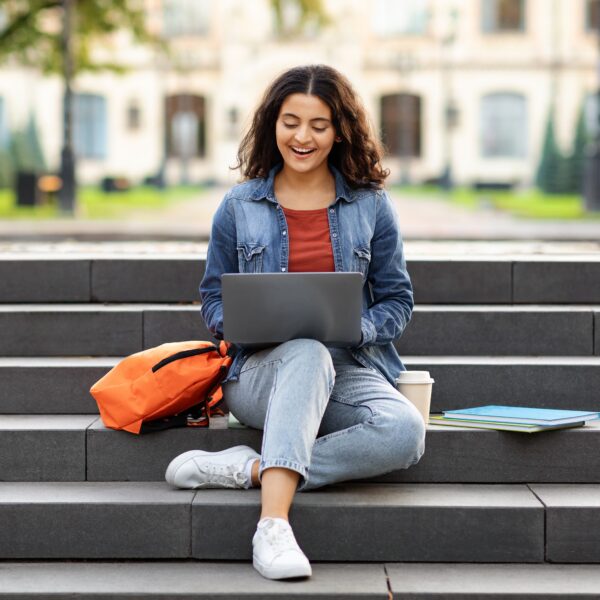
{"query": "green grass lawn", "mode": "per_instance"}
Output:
(93, 203)
(529, 203)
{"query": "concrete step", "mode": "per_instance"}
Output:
(194, 580)
(572, 522)
(121, 329)
(500, 582)
(80, 448)
(175, 278)
(187, 580)
(349, 522)
(501, 331)
(56, 385)
(569, 382)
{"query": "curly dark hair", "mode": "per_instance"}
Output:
(357, 156)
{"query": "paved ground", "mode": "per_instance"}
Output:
(421, 219)
(414, 249)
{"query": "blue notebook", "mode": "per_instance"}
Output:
(519, 414)
(499, 426)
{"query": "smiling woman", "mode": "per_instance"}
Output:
(312, 200)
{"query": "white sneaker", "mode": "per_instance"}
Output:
(201, 469)
(276, 554)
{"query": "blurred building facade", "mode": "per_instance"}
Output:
(464, 86)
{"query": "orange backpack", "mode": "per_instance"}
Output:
(172, 385)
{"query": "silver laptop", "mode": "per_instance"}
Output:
(263, 309)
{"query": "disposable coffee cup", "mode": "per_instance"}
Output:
(416, 386)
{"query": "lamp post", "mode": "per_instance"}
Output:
(450, 111)
(66, 196)
(591, 185)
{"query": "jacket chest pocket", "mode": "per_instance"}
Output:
(250, 258)
(362, 260)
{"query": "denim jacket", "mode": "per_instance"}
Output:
(249, 235)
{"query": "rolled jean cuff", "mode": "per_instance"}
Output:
(283, 463)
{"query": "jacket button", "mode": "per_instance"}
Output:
(283, 268)
(284, 233)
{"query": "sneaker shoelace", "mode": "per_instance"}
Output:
(225, 475)
(280, 537)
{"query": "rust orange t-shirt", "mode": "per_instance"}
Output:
(310, 244)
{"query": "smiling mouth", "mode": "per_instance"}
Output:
(304, 153)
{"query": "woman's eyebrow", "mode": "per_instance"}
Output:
(296, 117)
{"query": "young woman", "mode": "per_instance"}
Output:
(312, 200)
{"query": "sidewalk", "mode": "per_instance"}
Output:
(420, 219)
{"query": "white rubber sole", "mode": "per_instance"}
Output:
(282, 572)
(184, 458)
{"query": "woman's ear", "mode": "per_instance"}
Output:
(338, 139)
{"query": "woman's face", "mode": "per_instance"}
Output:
(304, 123)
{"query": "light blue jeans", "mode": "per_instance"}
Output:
(324, 415)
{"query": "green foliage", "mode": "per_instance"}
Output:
(310, 11)
(33, 30)
(93, 203)
(6, 169)
(552, 176)
(530, 204)
(534, 204)
(24, 153)
(576, 161)
(26, 149)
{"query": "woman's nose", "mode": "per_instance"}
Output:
(302, 135)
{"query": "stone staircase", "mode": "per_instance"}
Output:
(85, 512)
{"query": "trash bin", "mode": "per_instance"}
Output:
(27, 189)
(115, 184)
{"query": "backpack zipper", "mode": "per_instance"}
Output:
(183, 354)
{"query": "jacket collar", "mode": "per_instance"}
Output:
(266, 188)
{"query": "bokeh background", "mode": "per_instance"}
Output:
(480, 102)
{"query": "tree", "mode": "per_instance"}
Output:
(32, 34)
(576, 160)
(6, 168)
(26, 151)
(59, 36)
(551, 174)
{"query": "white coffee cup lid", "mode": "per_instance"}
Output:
(414, 377)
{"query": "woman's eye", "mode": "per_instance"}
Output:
(292, 125)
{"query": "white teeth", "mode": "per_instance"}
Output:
(302, 150)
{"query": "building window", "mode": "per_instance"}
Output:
(89, 126)
(592, 15)
(401, 125)
(134, 115)
(503, 126)
(186, 126)
(186, 17)
(502, 15)
(391, 17)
